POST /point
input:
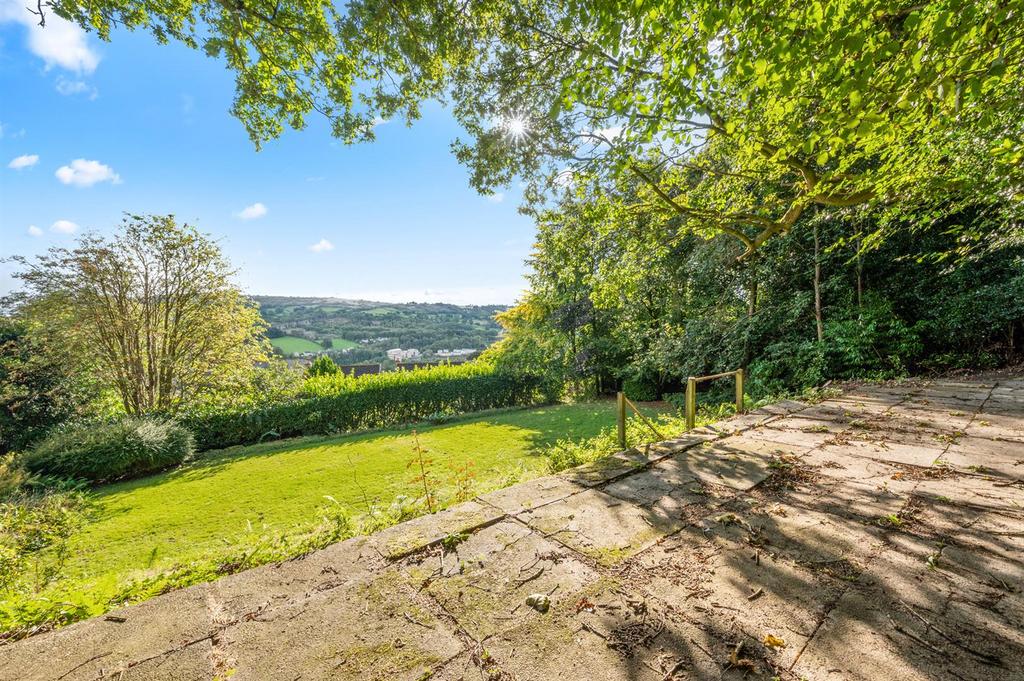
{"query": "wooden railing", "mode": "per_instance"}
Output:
(690, 407)
(621, 405)
(691, 394)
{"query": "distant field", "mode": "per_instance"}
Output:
(381, 311)
(343, 343)
(292, 344)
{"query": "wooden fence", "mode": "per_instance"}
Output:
(690, 407)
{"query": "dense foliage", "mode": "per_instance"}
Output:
(34, 530)
(624, 302)
(738, 118)
(101, 452)
(37, 389)
(338, 403)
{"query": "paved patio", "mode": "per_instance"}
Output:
(877, 535)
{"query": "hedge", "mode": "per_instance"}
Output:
(338, 403)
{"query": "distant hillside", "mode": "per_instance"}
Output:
(362, 331)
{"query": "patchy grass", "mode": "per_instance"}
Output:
(167, 530)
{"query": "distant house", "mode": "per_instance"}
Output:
(400, 355)
(359, 369)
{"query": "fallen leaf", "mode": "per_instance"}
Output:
(774, 641)
(585, 605)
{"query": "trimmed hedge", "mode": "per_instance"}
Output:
(338, 403)
(102, 452)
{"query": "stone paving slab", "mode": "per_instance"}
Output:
(875, 535)
(753, 591)
(419, 533)
(983, 455)
(922, 456)
(923, 622)
(600, 526)
(531, 494)
(607, 634)
(485, 581)
(720, 463)
(376, 628)
(117, 642)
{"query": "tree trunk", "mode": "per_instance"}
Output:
(752, 293)
(817, 286)
(860, 276)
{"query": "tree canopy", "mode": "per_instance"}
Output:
(737, 117)
(151, 311)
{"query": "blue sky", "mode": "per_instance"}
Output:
(91, 130)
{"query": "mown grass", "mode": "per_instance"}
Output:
(231, 499)
(292, 344)
(343, 344)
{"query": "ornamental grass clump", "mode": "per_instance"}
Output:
(102, 452)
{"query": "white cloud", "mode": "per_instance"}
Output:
(565, 179)
(321, 246)
(34, 231)
(5, 131)
(63, 226)
(23, 161)
(83, 173)
(496, 198)
(608, 133)
(378, 121)
(256, 210)
(76, 87)
(60, 43)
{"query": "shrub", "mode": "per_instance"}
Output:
(640, 390)
(322, 366)
(569, 453)
(99, 452)
(339, 403)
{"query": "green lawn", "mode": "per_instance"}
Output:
(293, 344)
(343, 343)
(230, 497)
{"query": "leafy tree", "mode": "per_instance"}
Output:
(37, 389)
(738, 117)
(322, 366)
(152, 310)
(669, 304)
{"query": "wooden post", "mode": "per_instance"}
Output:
(621, 410)
(739, 391)
(691, 402)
